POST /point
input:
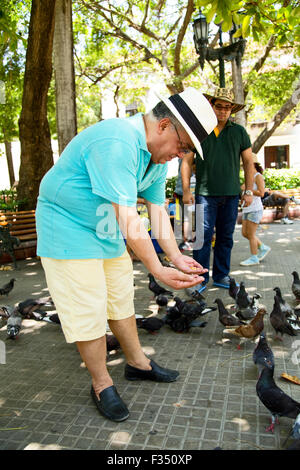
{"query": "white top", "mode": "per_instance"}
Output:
(256, 204)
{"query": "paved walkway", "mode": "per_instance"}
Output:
(45, 389)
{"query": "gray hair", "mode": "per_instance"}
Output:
(161, 111)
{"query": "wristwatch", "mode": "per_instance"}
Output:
(248, 192)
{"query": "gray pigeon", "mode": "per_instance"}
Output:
(263, 355)
(275, 399)
(279, 321)
(249, 312)
(5, 290)
(242, 299)
(296, 285)
(284, 305)
(14, 323)
(225, 317)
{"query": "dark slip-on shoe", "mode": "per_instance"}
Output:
(157, 373)
(110, 404)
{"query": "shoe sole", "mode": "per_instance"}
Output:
(220, 285)
(252, 264)
(202, 289)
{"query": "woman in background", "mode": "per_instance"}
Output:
(251, 218)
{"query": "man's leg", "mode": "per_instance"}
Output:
(126, 332)
(225, 225)
(204, 232)
(93, 353)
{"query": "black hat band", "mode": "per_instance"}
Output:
(189, 117)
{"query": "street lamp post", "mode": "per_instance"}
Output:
(234, 51)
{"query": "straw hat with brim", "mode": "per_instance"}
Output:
(194, 113)
(226, 95)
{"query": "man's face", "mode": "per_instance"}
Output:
(222, 110)
(173, 141)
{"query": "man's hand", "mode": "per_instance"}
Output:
(188, 197)
(188, 265)
(177, 279)
(247, 199)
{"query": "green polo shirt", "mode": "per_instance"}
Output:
(218, 173)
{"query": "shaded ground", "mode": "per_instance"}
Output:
(45, 389)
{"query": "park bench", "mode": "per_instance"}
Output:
(18, 236)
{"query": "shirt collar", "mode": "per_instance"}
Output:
(137, 122)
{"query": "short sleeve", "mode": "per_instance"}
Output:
(111, 166)
(156, 193)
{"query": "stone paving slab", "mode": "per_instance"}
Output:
(45, 389)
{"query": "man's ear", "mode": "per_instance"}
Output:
(163, 124)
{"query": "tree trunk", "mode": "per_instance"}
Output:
(10, 164)
(284, 111)
(36, 151)
(66, 119)
(238, 90)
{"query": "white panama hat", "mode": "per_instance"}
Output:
(195, 114)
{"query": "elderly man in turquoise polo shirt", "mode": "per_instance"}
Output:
(87, 206)
(218, 187)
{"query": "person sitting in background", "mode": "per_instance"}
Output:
(277, 198)
(252, 216)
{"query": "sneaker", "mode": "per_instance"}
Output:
(250, 261)
(223, 282)
(185, 246)
(197, 289)
(263, 251)
(287, 221)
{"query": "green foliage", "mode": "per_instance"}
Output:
(282, 179)
(257, 18)
(270, 90)
(279, 179)
(8, 200)
(170, 186)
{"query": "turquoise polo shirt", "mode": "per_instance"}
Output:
(218, 174)
(105, 163)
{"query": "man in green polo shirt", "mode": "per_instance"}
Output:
(218, 187)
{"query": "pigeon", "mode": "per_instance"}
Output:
(249, 312)
(54, 318)
(183, 324)
(296, 285)
(112, 343)
(5, 312)
(194, 294)
(156, 288)
(253, 329)
(150, 324)
(14, 323)
(275, 399)
(180, 318)
(279, 321)
(27, 308)
(161, 300)
(296, 428)
(263, 355)
(171, 315)
(242, 298)
(192, 310)
(233, 288)
(5, 290)
(225, 317)
(284, 305)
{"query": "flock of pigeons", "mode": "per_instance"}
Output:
(246, 322)
(13, 317)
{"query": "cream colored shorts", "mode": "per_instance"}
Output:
(87, 292)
